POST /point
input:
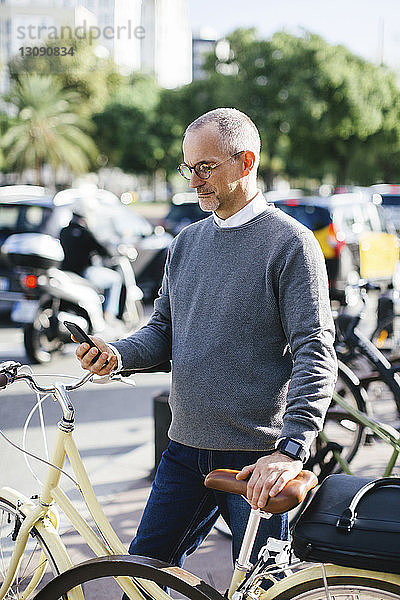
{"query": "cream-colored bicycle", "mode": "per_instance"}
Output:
(29, 542)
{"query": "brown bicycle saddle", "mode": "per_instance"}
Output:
(294, 492)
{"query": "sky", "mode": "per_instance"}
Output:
(369, 28)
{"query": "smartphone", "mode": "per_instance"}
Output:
(82, 337)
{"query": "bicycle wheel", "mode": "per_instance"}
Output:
(343, 432)
(33, 560)
(96, 578)
(343, 588)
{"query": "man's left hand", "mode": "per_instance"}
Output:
(269, 475)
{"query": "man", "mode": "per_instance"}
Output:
(244, 314)
(80, 245)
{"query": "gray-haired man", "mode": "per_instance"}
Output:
(244, 314)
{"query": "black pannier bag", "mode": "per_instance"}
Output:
(352, 521)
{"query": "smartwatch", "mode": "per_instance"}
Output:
(292, 448)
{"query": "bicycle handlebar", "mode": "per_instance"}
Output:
(9, 374)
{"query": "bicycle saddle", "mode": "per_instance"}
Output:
(294, 492)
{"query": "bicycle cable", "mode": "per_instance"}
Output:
(46, 462)
(38, 406)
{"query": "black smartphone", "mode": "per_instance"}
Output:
(82, 337)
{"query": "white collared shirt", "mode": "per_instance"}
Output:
(245, 214)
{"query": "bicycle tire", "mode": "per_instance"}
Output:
(343, 586)
(345, 434)
(138, 567)
(30, 560)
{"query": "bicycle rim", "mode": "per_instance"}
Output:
(343, 588)
(33, 559)
(96, 576)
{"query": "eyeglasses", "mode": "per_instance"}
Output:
(203, 170)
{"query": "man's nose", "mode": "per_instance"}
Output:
(195, 180)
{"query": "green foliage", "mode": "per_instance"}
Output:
(47, 128)
(321, 111)
(92, 77)
(136, 130)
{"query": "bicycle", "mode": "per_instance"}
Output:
(343, 434)
(288, 578)
(357, 351)
(26, 518)
(23, 564)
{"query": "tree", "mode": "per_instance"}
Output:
(136, 130)
(93, 77)
(321, 111)
(47, 128)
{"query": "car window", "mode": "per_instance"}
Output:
(128, 224)
(313, 217)
(22, 218)
(358, 218)
(345, 219)
(390, 200)
(9, 218)
(373, 218)
(119, 223)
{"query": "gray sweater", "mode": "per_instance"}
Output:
(244, 314)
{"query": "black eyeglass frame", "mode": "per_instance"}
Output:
(210, 168)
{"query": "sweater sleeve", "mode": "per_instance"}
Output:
(150, 345)
(307, 321)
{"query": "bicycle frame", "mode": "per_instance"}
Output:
(385, 432)
(43, 517)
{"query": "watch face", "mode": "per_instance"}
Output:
(292, 446)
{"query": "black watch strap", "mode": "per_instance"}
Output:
(292, 448)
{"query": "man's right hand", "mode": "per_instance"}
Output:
(85, 356)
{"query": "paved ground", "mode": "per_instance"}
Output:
(115, 436)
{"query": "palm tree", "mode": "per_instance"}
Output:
(47, 128)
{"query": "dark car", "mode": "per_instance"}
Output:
(31, 209)
(184, 210)
(354, 235)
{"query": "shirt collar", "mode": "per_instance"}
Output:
(245, 214)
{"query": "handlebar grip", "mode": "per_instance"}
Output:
(164, 367)
(3, 380)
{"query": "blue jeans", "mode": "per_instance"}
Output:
(181, 512)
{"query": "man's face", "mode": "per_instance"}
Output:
(202, 145)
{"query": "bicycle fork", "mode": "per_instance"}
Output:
(34, 513)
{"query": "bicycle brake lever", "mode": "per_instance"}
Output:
(102, 379)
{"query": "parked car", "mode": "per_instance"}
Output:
(355, 237)
(32, 209)
(389, 195)
(184, 210)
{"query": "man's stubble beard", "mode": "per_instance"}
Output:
(209, 204)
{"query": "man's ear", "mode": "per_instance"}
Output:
(248, 162)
